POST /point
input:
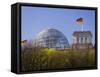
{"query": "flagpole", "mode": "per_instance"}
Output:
(82, 27)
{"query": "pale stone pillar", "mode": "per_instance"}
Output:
(84, 39)
(88, 40)
(74, 40)
(80, 40)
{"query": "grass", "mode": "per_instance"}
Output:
(50, 58)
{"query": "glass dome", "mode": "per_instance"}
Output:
(51, 38)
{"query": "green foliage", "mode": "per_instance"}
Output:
(50, 58)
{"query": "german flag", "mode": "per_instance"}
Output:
(79, 21)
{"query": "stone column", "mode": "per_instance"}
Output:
(74, 40)
(83, 39)
(88, 40)
(79, 40)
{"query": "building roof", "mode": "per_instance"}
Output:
(78, 33)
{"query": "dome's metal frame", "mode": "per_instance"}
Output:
(51, 38)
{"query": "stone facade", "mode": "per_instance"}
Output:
(82, 40)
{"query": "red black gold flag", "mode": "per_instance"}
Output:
(79, 21)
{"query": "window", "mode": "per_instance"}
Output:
(81, 39)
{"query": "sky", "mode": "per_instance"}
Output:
(36, 19)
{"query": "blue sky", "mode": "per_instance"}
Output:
(36, 19)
